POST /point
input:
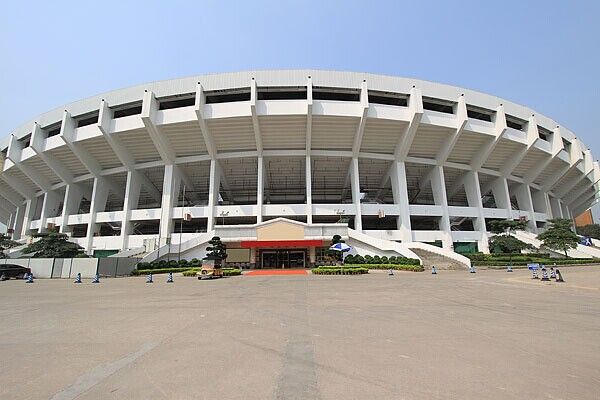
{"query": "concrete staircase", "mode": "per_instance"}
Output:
(440, 261)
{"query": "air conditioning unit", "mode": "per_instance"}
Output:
(187, 217)
(381, 214)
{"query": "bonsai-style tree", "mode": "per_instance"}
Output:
(52, 244)
(591, 230)
(506, 226)
(5, 244)
(503, 241)
(559, 236)
(217, 250)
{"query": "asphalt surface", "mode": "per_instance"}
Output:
(489, 335)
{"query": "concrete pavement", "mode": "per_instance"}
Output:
(490, 335)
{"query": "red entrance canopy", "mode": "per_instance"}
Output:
(248, 244)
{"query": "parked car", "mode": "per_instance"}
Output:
(8, 271)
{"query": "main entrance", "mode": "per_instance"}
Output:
(283, 258)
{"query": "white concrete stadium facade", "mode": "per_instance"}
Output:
(400, 160)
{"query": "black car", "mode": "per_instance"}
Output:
(8, 271)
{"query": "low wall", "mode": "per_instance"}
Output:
(67, 268)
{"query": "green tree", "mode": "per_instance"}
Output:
(5, 244)
(52, 244)
(506, 226)
(507, 244)
(216, 251)
(559, 236)
(591, 230)
(503, 241)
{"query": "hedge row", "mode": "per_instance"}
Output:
(226, 272)
(395, 267)
(357, 259)
(340, 271)
(194, 262)
(157, 271)
(547, 262)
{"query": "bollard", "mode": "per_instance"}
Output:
(170, 278)
(96, 279)
(78, 278)
(471, 269)
(433, 271)
(534, 274)
(509, 269)
(559, 277)
(29, 278)
(149, 278)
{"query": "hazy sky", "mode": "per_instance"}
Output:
(541, 54)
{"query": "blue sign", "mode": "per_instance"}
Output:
(533, 267)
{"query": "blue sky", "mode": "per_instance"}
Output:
(541, 54)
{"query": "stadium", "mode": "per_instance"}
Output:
(277, 162)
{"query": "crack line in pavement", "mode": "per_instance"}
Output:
(99, 373)
(298, 378)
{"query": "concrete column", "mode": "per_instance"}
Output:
(171, 183)
(213, 193)
(260, 189)
(49, 208)
(308, 184)
(548, 205)
(555, 207)
(132, 197)
(525, 203)
(73, 196)
(438, 185)
(473, 191)
(17, 222)
(28, 216)
(98, 204)
(501, 195)
(539, 200)
(312, 255)
(400, 193)
(355, 184)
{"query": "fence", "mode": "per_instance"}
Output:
(70, 267)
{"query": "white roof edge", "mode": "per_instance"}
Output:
(275, 77)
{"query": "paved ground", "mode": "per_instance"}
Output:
(489, 335)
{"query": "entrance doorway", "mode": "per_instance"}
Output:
(284, 258)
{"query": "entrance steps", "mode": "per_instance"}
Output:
(429, 259)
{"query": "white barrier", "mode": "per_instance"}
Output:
(41, 267)
(86, 266)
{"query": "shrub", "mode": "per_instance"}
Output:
(339, 271)
(385, 260)
(195, 262)
(395, 267)
(157, 271)
(182, 262)
(143, 265)
(231, 271)
(191, 272)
